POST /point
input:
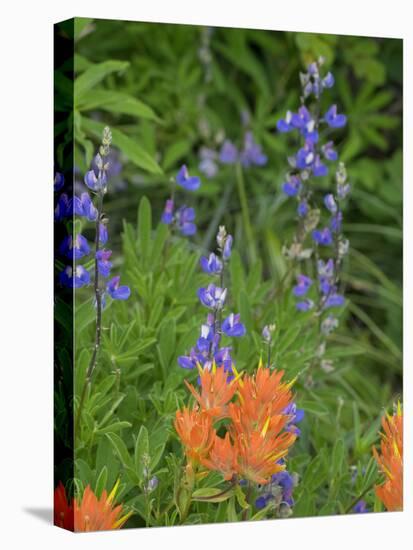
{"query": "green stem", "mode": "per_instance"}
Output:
(245, 213)
(361, 495)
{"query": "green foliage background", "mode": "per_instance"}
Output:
(149, 84)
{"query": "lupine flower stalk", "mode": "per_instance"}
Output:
(214, 296)
(182, 217)
(96, 180)
(310, 163)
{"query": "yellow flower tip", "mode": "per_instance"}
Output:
(265, 428)
(291, 383)
(122, 520)
(113, 492)
(199, 367)
(399, 409)
(260, 363)
(214, 367)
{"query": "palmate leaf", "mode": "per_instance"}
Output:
(127, 145)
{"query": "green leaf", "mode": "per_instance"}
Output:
(101, 481)
(115, 102)
(144, 227)
(142, 452)
(115, 427)
(128, 146)
(121, 449)
(337, 458)
(212, 494)
(95, 74)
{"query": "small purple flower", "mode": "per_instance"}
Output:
(267, 332)
(74, 279)
(325, 285)
(333, 119)
(212, 296)
(336, 221)
(361, 507)
(343, 190)
(232, 326)
(302, 209)
(303, 284)
(208, 165)
(329, 152)
(328, 80)
(64, 207)
(285, 125)
(74, 248)
(223, 359)
(104, 265)
(168, 213)
(103, 233)
(292, 187)
(189, 361)
(84, 206)
(330, 203)
(207, 335)
(212, 264)
(116, 291)
(306, 124)
(325, 269)
(297, 416)
(305, 305)
(319, 169)
(305, 156)
(59, 181)
(190, 183)
(185, 217)
(226, 252)
(95, 183)
(262, 501)
(334, 300)
(252, 152)
(322, 236)
(228, 153)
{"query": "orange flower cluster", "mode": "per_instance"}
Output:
(255, 439)
(91, 513)
(390, 461)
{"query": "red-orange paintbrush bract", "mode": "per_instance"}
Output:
(256, 438)
(390, 461)
(90, 513)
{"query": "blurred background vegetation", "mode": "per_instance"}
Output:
(167, 91)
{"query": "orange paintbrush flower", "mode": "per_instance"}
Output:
(390, 461)
(90, 513)
(194, 427)
(260, 445)
(215, 393)
(222, 457)
(263, 395)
